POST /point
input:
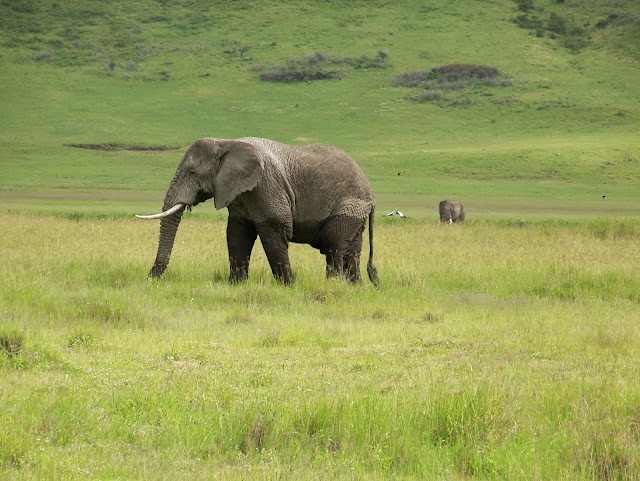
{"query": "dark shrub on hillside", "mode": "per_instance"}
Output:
(463, 71)
(557, 24)
(314, 58)
(291, 75)
(320, 66)
(450, 77)
(472, 78)
(524, 5)
(449, 84)
(364, 62)
(411, 79)
(530, 23)
(575, 44)
(429, 96)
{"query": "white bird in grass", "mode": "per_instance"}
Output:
(397, 212)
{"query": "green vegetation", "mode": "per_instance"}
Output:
(574, 24)
(471, 78)
(503, 348)
(506, 351)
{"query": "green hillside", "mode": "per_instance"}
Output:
(563, 124)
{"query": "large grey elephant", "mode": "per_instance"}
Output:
(313, 194)
(451, 211)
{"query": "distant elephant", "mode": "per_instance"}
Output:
(451, 211)
(313, 194)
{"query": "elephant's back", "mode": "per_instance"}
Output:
(331, 192)
(319, 180)
(334, 167)
(328, 175)
(325, 163)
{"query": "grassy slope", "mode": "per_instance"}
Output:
(98, 81)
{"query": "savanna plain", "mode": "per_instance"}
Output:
(506, 347)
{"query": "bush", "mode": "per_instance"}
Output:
(411, 79)
(454, 77)
(319, 66)
(429, 96)
(524, 5)
(557, 24)
(451, 77)
(575, 44)
(530, 23)
(458, 71)
(315, 58)
(364, 62)
(291, 75)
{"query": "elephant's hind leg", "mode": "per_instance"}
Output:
(352, 258)
(335, 262)
(343, 244)
(241, 236)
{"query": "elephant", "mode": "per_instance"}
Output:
(451, 211)
(312, 194)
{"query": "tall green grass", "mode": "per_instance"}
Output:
(493, 350)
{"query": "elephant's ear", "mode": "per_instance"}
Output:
(241, 168)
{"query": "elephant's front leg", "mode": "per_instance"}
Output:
(241, 235)
(276, 247)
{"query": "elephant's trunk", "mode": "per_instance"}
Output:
(169, 222)
(168, 228)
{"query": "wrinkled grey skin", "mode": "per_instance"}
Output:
(451, 211)
(314, 194)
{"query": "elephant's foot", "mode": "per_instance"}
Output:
(333, 272)
(238, 277)
(157, 270)
(238, 269)
(283, 274)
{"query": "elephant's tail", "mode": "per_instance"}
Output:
(371, 269)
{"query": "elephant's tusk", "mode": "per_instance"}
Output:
(173, 209)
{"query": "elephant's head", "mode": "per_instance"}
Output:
(221, 169)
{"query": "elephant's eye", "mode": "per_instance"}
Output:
(193, 173)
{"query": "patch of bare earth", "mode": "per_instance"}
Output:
(111, 147)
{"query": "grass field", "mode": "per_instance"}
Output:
(504, 348)
(491, 351)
